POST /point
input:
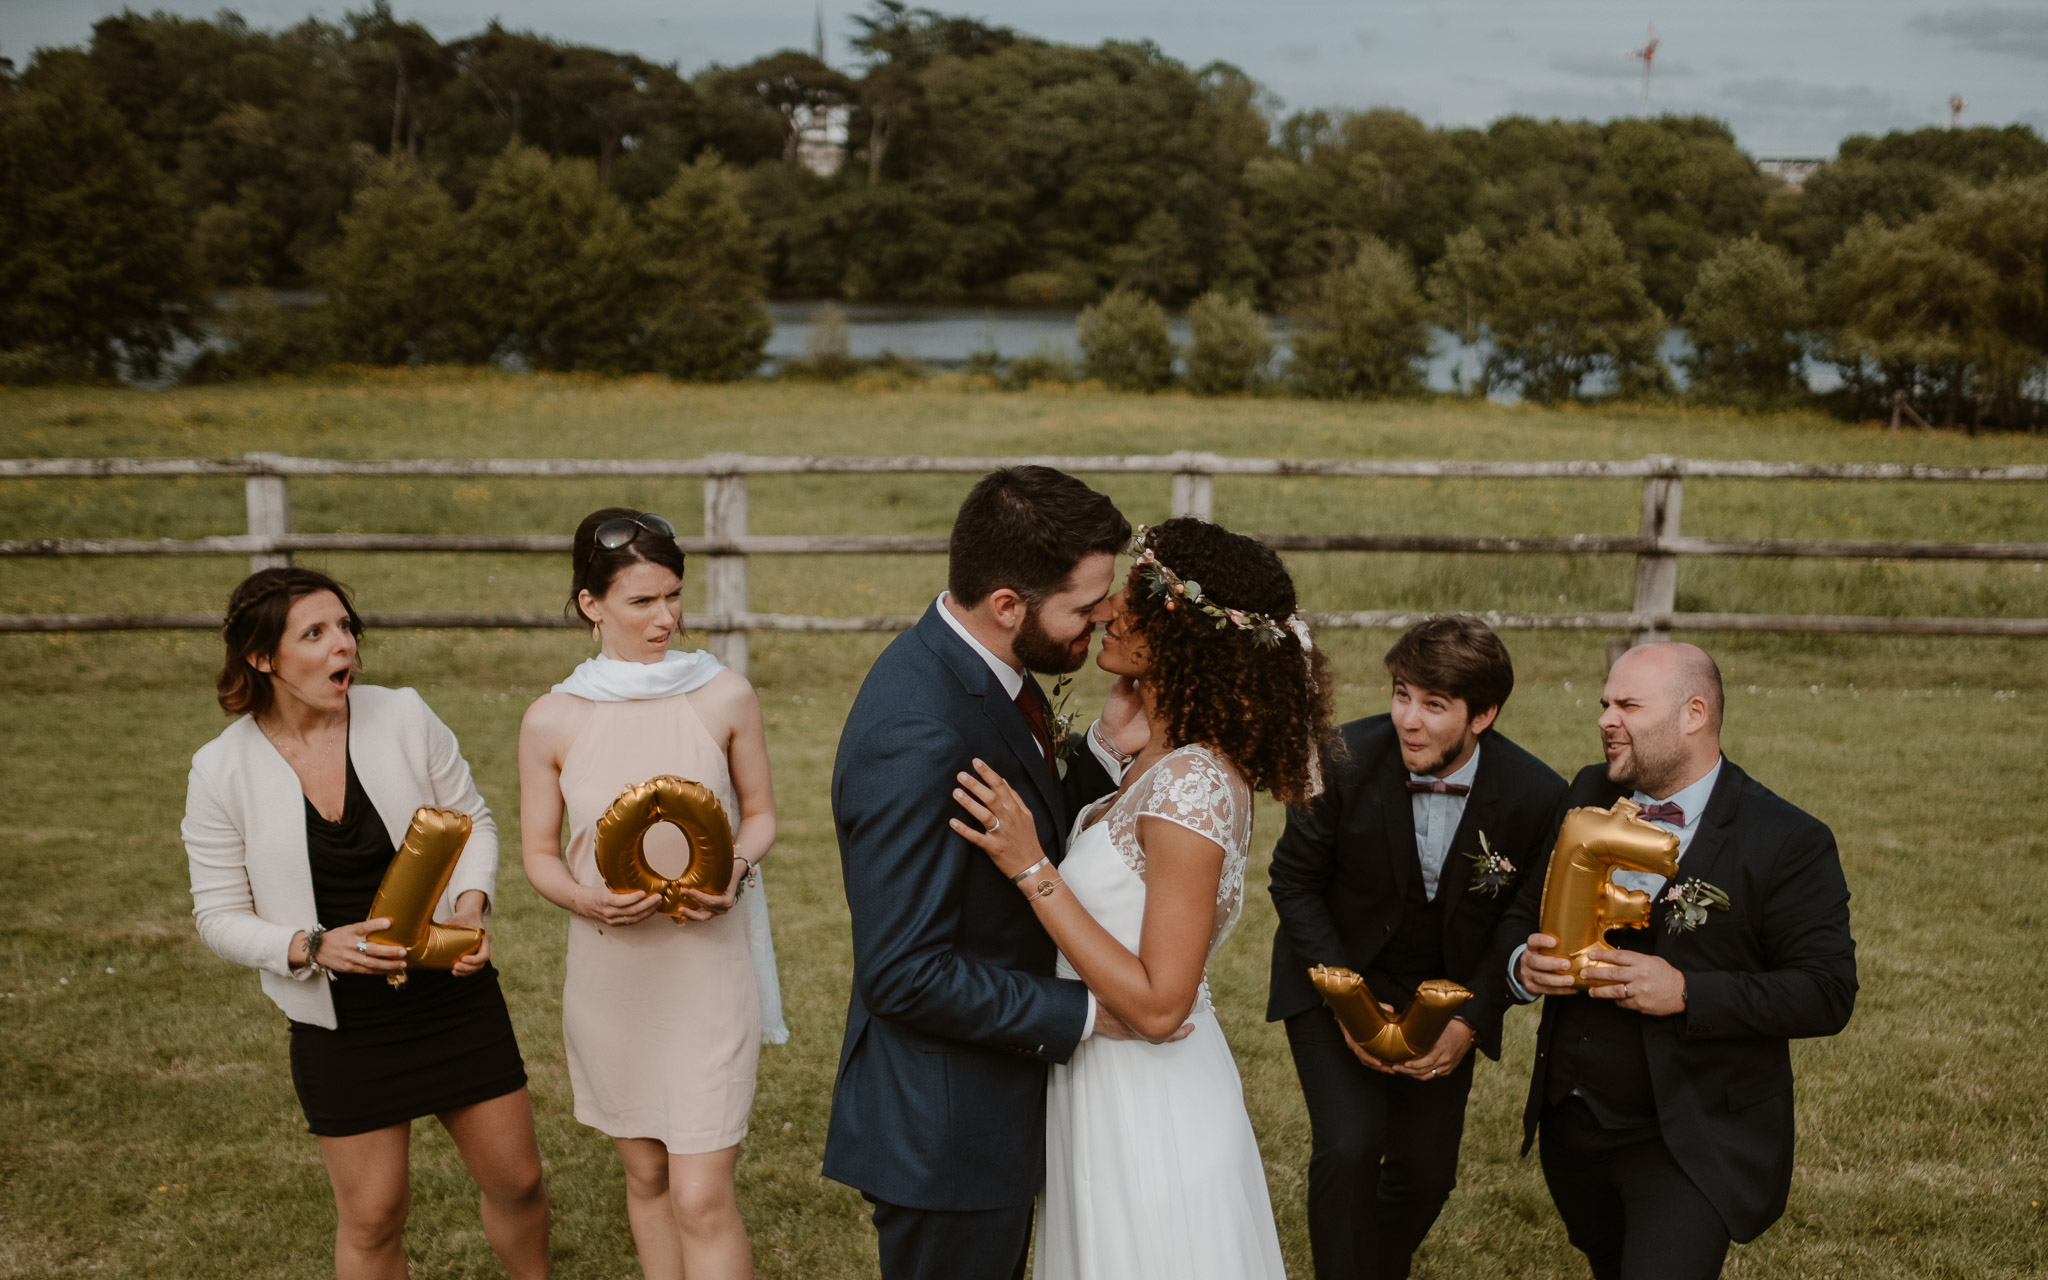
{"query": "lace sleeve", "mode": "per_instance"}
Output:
(1192, 789)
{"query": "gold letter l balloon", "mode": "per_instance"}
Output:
(1580, 902)
(1411, 1035)
(414, 882)
(622, 837)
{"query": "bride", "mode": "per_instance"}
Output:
(1151, 1166)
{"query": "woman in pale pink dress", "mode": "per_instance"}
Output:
(662, 1018)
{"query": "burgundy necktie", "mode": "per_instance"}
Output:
(1665, 812)
(1034, 715)
(1437, 786)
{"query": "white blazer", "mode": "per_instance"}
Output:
(245, 832)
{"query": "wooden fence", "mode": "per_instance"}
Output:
(726, 545)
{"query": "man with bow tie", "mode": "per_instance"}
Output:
(1400, 871)
(1664, 1098)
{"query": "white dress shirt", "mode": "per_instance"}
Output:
(1692, 803)
(1437, 815)
(1013, 683)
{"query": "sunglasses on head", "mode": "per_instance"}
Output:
(620, 530)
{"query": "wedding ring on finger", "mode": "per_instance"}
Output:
(363, 946)
(995, 825)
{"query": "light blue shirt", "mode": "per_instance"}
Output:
(1437, 816)
(1692, 802)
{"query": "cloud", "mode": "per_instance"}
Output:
(1781, 93)
(1299, 54)
(1368, 38)
(1611, 66)
(1990, 30)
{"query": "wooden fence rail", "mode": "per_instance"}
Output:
(727, 545)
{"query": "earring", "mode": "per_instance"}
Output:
(597, 632)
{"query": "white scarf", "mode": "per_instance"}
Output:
(602, 679)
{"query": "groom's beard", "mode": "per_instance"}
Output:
(1039, 652)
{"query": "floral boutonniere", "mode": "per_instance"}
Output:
(1491, 872)
(1695, 897)
(1061, 728)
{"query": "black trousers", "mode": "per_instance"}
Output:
(1625, 1202)
(943, 1244)
(1384, 1157)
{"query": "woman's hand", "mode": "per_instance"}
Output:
(715, 904)
(340, 951)
(1008, 834)
(598, 903)
(469, 914)
(1123, 717)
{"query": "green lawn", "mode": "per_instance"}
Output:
(151, 1127)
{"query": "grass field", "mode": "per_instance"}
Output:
(150, 1127)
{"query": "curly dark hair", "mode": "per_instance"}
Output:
(1265, 707)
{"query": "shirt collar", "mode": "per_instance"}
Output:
(1692, 799)
(1462, 775)
(1011, 678)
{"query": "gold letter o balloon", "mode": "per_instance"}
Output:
(688, 806)
(413, 883)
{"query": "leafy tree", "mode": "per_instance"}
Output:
(1229, 345)
(258, 338)
(393, 281)
(1568, 304)
(550, 258)
(704, 270)
(93, 260)
(1747, 318)
(1125, 342)
(900, 45)
(1461, 284)
(1360, 328)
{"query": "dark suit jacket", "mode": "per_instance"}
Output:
(1343, 866)
(955, 1012)
(1777, 965)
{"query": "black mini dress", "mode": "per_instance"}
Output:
(397, 1053)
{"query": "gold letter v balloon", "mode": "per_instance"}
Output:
(1580, 902)
(1410, 1035)
(413, 883)
(689, 806)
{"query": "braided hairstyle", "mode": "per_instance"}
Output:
(254, 627)
(1265, 707)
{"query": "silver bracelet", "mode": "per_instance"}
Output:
(313, 965)
(1102, 739)
(1019, 877)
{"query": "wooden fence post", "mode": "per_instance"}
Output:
(725, 575)
(1657, 573)
(1194, 488)
(269, 503)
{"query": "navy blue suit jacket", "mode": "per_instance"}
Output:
(940, 1098)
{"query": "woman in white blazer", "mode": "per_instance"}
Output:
(291, 817)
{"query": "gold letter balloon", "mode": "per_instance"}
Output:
(689, 806)
(1580, 902)
(1411, 1035)
(413, 883)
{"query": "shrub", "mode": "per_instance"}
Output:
(1746, 318)
(1568, 303)
(1125, 343)
(704, 274)
(1229, 346)
(260, 337)
(552, 265)
(393, 278)
(1047, 364)
(1360, 328)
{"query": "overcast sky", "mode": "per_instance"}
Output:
(1791, 76)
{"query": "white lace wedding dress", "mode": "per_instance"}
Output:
(1151, 1167)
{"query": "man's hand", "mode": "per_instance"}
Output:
(1645, 983)
(1542, 975)
(1443, 1056)
(1123, 717)
(1358, 1050)
(1111, 1027)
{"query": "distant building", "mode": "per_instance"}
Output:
(1793, 171)
(821, 137)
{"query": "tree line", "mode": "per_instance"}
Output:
(510, 195)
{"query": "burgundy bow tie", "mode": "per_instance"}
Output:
(1665, 812)
(1437, 786)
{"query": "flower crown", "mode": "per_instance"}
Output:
(1162, 581)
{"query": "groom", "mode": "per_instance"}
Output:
(938, 1113)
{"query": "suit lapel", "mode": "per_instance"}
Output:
(1397, 813)
(1480, 805)
(1709, 841)
(980, 682)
